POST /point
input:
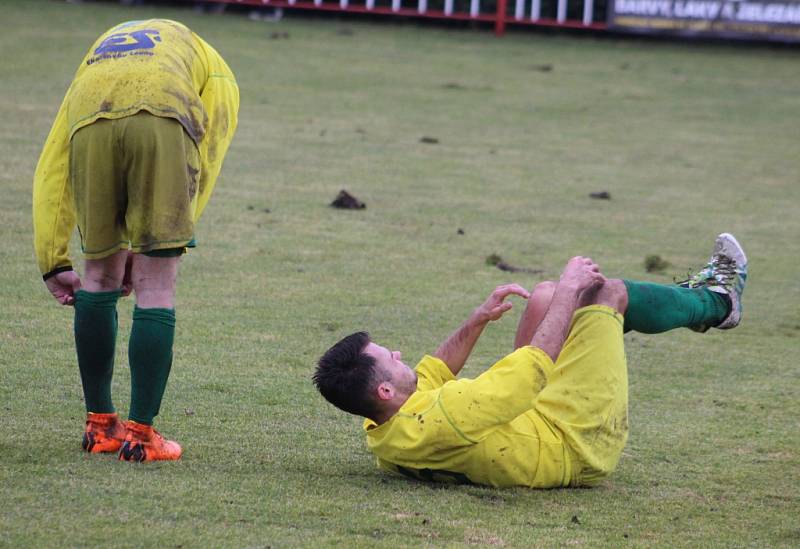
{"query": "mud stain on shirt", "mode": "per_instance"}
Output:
(192, 109)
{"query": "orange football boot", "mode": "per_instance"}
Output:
(104, 433)
(143, 443)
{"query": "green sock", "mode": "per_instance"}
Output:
(150, 358)
(95, 340)
(655, 308)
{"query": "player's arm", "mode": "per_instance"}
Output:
(580, 274)
(53, 213)
(456, 349)
(220, 97)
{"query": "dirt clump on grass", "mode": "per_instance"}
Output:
(251, 208)
(453, 86)
(655, 264)
(346, 201)
(498, 262)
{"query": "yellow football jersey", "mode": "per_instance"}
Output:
(158, 66)
(481, 430)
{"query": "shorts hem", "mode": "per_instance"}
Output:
(162, 245)
(603, 309)
(132, 111)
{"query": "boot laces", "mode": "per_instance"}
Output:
(721, 271)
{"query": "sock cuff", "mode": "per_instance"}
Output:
(98, 299)
(629, 284)
(141, 420)
(721, 300)
(163, 316)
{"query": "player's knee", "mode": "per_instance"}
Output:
(101, 282)
(613, 294)
(148, 298)
(154, 273)
(154, 281)
(544, 290)
(98, 278)
(545, 286)
(542, 295)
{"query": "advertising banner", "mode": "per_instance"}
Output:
(748, 19)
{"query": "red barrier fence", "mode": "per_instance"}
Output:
(526, 12)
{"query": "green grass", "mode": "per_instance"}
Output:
(689, 139)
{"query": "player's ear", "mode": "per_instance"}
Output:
(386, 390)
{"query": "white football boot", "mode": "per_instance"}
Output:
(726, 273)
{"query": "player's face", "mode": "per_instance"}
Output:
(401, 376)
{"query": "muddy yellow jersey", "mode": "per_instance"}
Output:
(158, 66)
(481, 430)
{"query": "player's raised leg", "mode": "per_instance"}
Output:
(710, 298)
(150, 354)
(95, 341)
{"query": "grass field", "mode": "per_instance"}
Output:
(689, 139)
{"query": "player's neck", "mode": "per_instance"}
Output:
(390, 408)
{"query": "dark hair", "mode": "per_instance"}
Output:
(346, 376)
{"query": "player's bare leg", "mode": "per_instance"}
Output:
(534, 312)
(154, 280)
(150, 356)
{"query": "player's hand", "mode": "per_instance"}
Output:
(495, 305)
(63, 286)
(127, 281)
(581, 273)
